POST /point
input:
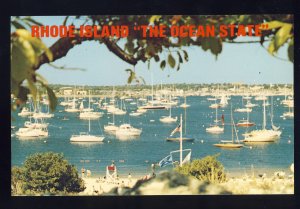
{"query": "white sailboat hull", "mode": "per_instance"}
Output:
(30, 132)
(86, 138)
(111, 128)
(127, 130)
(90, 115)
(168, 119)
(72, 110)
(215, 129)
(262, 136)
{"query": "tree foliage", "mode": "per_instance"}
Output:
(205, 169)
(28, 53)
(46, 173)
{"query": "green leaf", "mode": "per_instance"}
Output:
(65, 20)
(154, 18)
(216, 46)
(178, 67)
(271, 48)
(32, 21)
(32, 88)
(129, 46)
(14, 86)
(17, 25)
(163, 64)
(273, 25)
(179, 57)
(131, 76)
(282, 35)
(186, 56)
(291, 50)
(142, 79)
(23, 92)
(36, 43)
(150, 50)
(171, 61)
(205, 44)
(23, 59)
(52, 98)
(156, 58)
(41, 78)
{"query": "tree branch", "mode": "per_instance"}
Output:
(61, 47)
(113, 47)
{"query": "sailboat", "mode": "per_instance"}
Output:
(86, 137)
(72, 107)
(88, 113)
(153, 104)
(215, 129)
(25, 112)
(185, 105)
(169, 160)
(120, 111)
(263, 135)
(230, 143)
(223, 102)
(289, 114)
(33, 130)
(127, 130)
(111, 127)
(179, 129)
(245, 123)
(168, 119)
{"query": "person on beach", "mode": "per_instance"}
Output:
(129, 179)
(122, 184)
(82, 172)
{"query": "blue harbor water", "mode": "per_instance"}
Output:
(136, 155)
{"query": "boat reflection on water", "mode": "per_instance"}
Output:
(86, 144)
(261, 144)
(126, 138)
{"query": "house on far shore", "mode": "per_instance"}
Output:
(81, 92)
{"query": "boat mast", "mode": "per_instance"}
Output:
(89, 124)
(89, 100)
(231, 126)
(264, 116)
(152, 86)
(216, 114)
(180, 140)
(170, 106)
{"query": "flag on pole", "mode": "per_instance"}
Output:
(166, 161)
(187, 158)
(177, 129)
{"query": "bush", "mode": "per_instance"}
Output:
(205, 169)
(48, 173)
(16, 180)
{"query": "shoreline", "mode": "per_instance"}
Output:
(233, 172)
(268, 182)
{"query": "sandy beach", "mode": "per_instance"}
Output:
(98, 186)
(242, 184)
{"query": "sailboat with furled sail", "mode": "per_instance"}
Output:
(86, 137)
(179, 129)
(263, 135)
(168, 119)
(215, 129)
(230, 143)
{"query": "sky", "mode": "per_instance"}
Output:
(246, 63)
